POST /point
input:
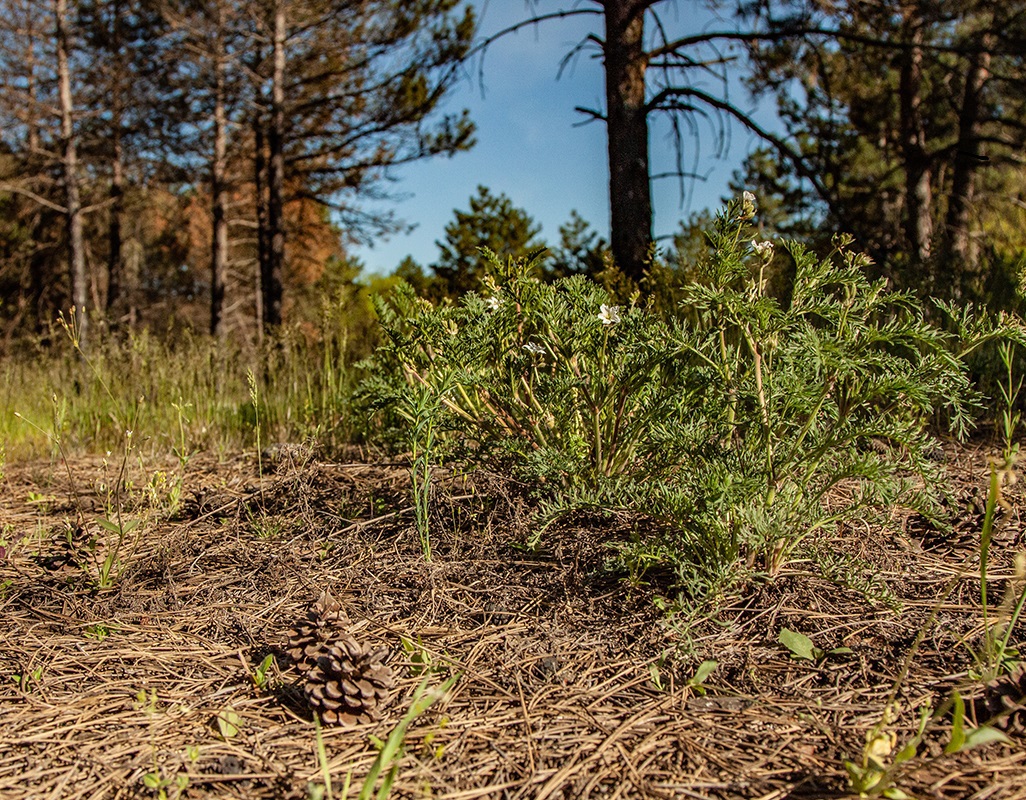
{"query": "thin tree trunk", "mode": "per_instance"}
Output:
(31, 84)
(115, 257)
(272, 278)
(917, 162)
(263, 249)
(960, 255)
(73, 203)
(219, 249)
(260, 189)
(630, 198)
(39, 262)
(39, 272)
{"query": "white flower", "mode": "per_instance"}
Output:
(748, 204)
(764, 249)
(493, 303)
(609, 315)
(534, 349)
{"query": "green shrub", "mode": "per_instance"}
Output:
(733, 423)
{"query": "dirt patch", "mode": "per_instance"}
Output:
(572, 683)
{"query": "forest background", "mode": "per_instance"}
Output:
(182, 169)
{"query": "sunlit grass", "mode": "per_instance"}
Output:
(193, 390)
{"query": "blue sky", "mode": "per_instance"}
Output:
(532, 146)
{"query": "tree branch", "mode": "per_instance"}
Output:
(782, 147)
(10, 187)
(591, 113)
(672, 48)
(489, 41)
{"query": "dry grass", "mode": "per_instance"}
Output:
(557, 657)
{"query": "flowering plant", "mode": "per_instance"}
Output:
(552, 379)
(730, 421)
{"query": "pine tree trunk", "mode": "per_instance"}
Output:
(219, 243)
(918, 166)
(272, 278)
(73, 203)
(31, 85)
(263, 248)
(39, 272)
(115, 257)
(960, 254)
(630, 199)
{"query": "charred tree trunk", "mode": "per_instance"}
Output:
(115, 256)
(260, 189)
(961, 256)
(630, 198)
(73, 203)
(39, 275)
(218, 170)
(272, 277)
(260, 184)
(917, 162)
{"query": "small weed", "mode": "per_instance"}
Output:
(147, 703)
(269, 526)
(997, 655)
(254, 398)
(385, 766)
(43, 502)
(802, 648)
(159, 784)
(428, 746)
(420, 408)
(109, 567)
(655, 673)
(229, 723)
(322, 790)
(261, 674)
(98, 631)
(157, 780)
(163, 493)
(637, 558)
(702, 673)
(26, 681)
(180, 448)
(877, 773)
(421, 661)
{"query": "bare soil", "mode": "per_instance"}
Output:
(572, 682)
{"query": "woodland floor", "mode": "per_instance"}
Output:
(573, 684)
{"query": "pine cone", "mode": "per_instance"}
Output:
(1004, 702)
(323, 620)
(348, 683)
